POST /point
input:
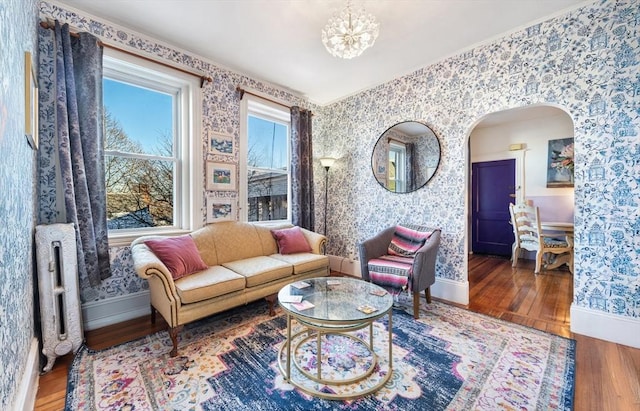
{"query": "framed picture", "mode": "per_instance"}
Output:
(221, 176)
(219, 143)
(220, 209)
(30, 101)
(560, 163)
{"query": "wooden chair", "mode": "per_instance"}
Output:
(396, 270)
(529, 236)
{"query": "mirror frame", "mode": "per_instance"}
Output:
(380, 171)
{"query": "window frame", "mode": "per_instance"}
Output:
(252, 105)
(188, 152)
(400, 153)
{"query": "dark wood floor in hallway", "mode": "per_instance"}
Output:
(517, 295)
(607, 374)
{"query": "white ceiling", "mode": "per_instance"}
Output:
(278, 41)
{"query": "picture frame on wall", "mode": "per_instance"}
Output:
(220, 209)
(30, 101)
(220, 143)
(220, 176)
(560, 165)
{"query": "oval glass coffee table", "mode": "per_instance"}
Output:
(328, 353)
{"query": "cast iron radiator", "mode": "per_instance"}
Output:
(60, 313)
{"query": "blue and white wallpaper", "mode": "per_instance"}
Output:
(17, 198)
(220, 113)
(586, 62)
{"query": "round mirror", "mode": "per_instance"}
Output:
(405, 157)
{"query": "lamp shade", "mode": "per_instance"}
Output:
(327, 162)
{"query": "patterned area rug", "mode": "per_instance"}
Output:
(450, 359)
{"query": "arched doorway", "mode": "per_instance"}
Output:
(519, 138)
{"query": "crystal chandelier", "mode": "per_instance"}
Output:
(349, 33)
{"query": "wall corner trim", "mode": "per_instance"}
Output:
(25, 398)
(605, 326)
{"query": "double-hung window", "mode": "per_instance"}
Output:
(152, 153)
(265, 188)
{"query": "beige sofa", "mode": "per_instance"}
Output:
(243, 266)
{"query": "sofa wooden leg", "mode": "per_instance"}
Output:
(427, 294)
(153, 315)
(173, 333)
(416, 305)
(271, 301)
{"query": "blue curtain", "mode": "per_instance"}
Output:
(412, 167)
(302, 200)
(79, 132)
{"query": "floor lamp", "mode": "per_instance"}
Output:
(326, 162)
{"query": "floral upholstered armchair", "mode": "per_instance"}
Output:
(402, 257)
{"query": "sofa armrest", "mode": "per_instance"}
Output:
(317, 242)
(148, 265)
(374, 247)
(424, 263)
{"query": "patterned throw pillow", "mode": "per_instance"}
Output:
(179, 254)
(406, 241)
(291, 240)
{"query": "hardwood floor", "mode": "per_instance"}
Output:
(607, 374)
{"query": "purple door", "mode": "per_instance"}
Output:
(492, 189)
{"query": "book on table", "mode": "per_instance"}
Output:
(300, 285)
(367, 309)
(291, 299)
(303, 305)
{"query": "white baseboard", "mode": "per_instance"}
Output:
(450, 290)
(97, 314)
(25, 398)
(605, 326)
(343, 265)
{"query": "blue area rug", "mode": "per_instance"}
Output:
(449, 359)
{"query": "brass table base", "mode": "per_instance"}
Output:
(287, 357)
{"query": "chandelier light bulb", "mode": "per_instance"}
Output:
(349, 33)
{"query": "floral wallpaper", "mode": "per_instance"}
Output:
(17, 168)
(220, 113)
(587, 62)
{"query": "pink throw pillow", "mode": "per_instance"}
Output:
(291, 240)
(406, 241)
(179, 254)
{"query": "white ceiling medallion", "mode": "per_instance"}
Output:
(349, 33)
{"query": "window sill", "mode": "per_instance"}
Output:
(272, 223)
(125, 239)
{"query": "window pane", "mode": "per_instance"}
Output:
(137, 119)
(139, 192)
(267, 198)
(267, 144)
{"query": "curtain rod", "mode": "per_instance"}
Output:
(243, 91)
(202, 77)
